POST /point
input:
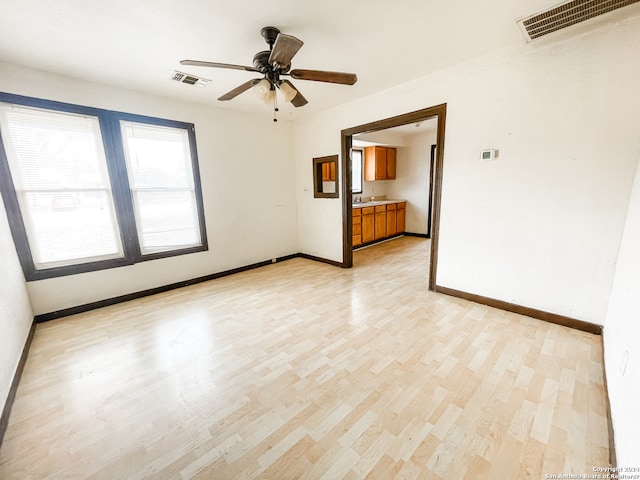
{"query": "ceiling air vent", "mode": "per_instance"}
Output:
(189, 79)
(566, 15)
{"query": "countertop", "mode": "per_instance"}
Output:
(375, 202)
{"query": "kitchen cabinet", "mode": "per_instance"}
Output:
(391, 164)
(328, 171)
(401, 215)
(377, 222)
(391, 219)
(357, 227)
(380, 228)
(368, 215)
(379, 163)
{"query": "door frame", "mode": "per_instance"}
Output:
(432, 169)
(438, 111)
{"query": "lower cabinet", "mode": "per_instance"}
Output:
(357, 227)
(377, 222)
(401, 216)
(368, 215)
(380, 229)
(392, 228)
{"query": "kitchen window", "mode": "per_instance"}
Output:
(87, 189)
(356, 171)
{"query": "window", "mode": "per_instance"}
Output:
(356, 171)
(61, 182)
(87, 189)
(162, 188)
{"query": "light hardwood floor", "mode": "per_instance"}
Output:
(304, 370)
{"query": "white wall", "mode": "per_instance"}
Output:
(15, 311)
(621, 334)
(247, 181)
(319, 219)
(412, 179)
(541, 226)
(377, 188)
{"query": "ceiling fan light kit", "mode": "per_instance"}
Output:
(288, 92)
(262, 89)
(270, 97)
(273, 64)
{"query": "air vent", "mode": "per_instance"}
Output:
(566, 15)
(189, 79)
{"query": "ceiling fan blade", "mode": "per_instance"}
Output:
(198, 63)
(285, 47)
(298, 100)
(238, 90)
(323, 76)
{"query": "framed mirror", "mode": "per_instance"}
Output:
(325, 177)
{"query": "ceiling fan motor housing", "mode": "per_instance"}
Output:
(271, 72)
(261, 61)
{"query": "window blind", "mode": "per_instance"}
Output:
(58, 166)
(160, 172)
(356, 171)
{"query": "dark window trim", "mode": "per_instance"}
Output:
(119, 151)
(361, 150)
(116, 166)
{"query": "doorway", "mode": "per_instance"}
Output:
(439, 112)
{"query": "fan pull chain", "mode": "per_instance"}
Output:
(275, 105)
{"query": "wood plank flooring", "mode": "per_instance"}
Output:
(304, 370)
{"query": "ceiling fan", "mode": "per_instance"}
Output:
(274, 64)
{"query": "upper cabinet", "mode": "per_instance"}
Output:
(325, 180)
(379, 163)
(328, 171)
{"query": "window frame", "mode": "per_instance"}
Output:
(353, 149)
(110, 130)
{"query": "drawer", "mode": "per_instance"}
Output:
(357, 229)
(367, 211)
(381, 208)
(357, 220)
(356, 240)
(401, 205)
(391, 206)
(357, 212)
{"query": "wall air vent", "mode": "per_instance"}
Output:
(189, 79)
(566, 15)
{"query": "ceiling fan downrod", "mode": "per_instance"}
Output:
(270, 34)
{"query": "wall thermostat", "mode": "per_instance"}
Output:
(488, 155)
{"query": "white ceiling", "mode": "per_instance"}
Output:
(417, 128)
(398, 136)
(138, 44)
